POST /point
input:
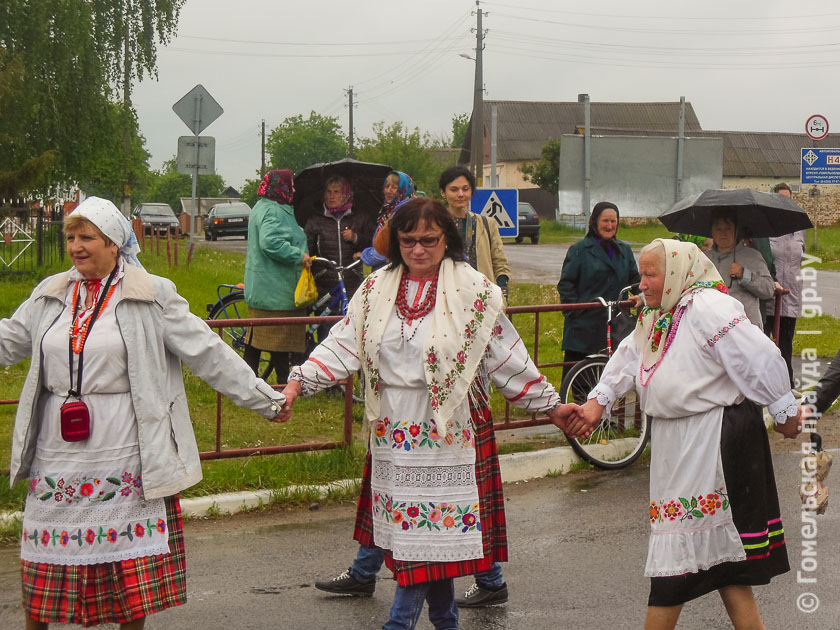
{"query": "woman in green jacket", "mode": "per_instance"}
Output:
(277, 253)
(597, 266)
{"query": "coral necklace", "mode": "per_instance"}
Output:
(418, 310)
(78, 329)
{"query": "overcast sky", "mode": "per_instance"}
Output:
(745, 65)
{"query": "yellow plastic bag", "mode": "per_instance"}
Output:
(306, 292)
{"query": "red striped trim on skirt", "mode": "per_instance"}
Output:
(491, 507)
(114, 592)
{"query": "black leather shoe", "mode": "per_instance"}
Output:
(346, 584)
(478, 596)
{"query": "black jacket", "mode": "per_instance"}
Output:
(323, 236)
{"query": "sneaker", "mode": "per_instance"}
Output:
(478, 596)
(346, 584)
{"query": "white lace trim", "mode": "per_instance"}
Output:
(674, 552)
(605, 398)
(780, 417)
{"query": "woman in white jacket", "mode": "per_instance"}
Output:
(102, 430)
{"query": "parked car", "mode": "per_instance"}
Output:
(529, 223)
(227, 219)
(158, 215)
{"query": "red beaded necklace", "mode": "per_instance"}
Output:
(79, 332)
(418, 311)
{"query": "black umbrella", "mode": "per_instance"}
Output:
(366, 178)
(759, 213)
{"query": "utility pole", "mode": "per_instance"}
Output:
(262, 151)
(477, 144)
(351, 152)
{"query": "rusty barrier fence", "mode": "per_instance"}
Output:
(507, 423)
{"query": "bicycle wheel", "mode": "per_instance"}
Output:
(620, 438)
(233, 306)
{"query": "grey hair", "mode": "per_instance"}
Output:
(657, 248)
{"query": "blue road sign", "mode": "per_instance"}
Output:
(499, 205)
(820, 166)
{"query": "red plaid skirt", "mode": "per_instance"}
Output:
(114, 592)
(491, 504)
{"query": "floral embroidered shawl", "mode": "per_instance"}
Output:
(278, 186)
(686, 270)
(466, 308)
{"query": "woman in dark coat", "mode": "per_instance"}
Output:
(597, 266)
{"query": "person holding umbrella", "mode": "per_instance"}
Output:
(743, 269)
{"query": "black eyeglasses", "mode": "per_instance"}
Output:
(426, 241)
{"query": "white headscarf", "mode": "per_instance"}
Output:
(111, 222)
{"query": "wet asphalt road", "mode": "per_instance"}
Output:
(578, 545)
(542, 264)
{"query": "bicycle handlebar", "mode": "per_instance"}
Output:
(333, 264)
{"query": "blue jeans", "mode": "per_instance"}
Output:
(369, 560)
(408, 604)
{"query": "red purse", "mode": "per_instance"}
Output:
(75, 421)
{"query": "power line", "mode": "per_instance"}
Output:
(601, 27)
(251, 42)
(680, 18)
(231, 53)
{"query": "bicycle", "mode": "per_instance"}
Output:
(621, 438)
(231, 305)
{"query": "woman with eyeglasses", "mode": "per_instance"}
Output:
(427, 331)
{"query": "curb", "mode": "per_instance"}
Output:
(514, 467)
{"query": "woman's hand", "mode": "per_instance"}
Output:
(291, 391)
(561, 413)
(585, 419)
(306, 260)
(348, 235)
(736, 270)
(792, 427)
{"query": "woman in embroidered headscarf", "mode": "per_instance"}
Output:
(277, 253)
(103, 432)
(700, 367)
(398, 187)
(599, 265)
(338, 234)
(427, 331)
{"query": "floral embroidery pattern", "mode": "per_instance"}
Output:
(370, 371)
(722, 332)
(438, 392)
(431, 516)
(85, 489)
(690, 508)
(55, 537)
(409, 435)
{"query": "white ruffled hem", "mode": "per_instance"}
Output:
(688, 551)
(100, 558)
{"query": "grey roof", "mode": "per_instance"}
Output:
(525, 126)
(749, 153)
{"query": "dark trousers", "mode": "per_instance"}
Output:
(280, 362)
(787, 328)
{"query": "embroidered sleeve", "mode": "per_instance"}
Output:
(725, 328)
(605, 397)
(753, 362)
(513, 372)
(331, 361)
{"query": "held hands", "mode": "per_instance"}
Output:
(291, 391)
(575, 420)
(792, 427)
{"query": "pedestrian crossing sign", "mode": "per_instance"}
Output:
(499, 205)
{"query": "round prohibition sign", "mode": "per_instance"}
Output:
(816, 127)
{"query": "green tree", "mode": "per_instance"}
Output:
(546, 172)
(460, 122)
(168, 186)
(409, 151)
(60, 64)
(248, 193)
(298, 142)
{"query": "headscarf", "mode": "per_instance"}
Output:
(609, 245)
(277, 185)
(111, 222)
(346, 200)
(686, 270)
